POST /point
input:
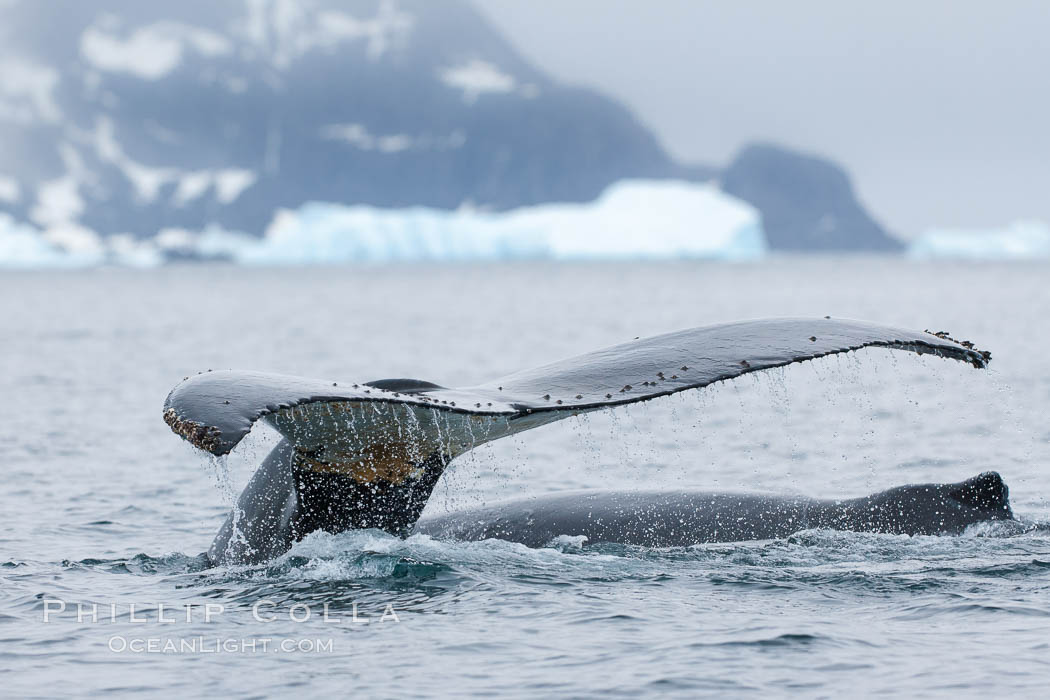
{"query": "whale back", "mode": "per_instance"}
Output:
(985, 492)
(925, 509)
(639, 518)
(685, 518)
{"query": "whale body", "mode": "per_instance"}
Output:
(283, 503)
(684, 518)
(368, 454)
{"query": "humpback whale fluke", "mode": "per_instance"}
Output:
(369, 454)
(215, 410)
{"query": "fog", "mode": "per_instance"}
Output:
(939, 109)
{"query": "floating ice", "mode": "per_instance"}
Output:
(22, 245)
(1019, 240)
(632, 219)
(646, 219)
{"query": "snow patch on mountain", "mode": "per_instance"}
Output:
(146, 180)
(477, 77)
(10, 190)
(27, 92)
(226, 184)
(150, 52)
(286, 30)
(358, 136)
(231, 182)
(58, 200)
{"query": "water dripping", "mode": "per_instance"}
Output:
(220, 469)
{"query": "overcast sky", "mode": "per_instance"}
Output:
(940, 109)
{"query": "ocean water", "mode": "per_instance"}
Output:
(104, 507)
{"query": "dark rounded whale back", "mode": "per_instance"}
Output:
(927, 509)
(985, 491)
(684, 518)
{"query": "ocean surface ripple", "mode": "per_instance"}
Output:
(108, 512)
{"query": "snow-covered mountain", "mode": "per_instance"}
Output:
(131, 116)
(126, 119)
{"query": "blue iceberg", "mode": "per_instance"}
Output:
(632, 219)
(1020, 240)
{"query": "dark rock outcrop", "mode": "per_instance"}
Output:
(807, 203)
(131, 116)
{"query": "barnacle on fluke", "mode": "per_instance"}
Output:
(215, 410)
(205, 437)
(944, 335)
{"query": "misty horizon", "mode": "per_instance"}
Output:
(935, 108)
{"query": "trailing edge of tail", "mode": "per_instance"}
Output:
(383, 430)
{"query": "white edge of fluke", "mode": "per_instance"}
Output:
(215, 410)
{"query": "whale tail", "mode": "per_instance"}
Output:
(369, 454)
(215, 410)
(985, 492)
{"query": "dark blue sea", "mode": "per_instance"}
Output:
(103, 590)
